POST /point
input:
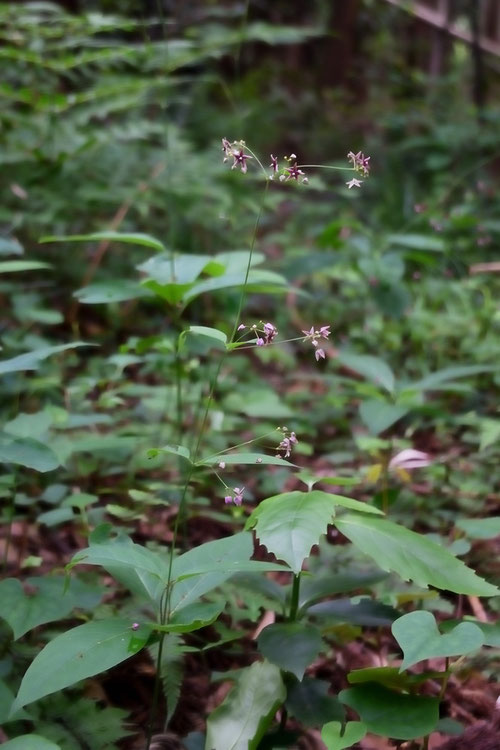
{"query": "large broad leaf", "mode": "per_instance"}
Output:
(367, 612)
(418, 242)
(371, 368)
(392, 714)
(177, 269)
(336, 739)
(449, 374)
(309, 702)
(230, 459)
(12, 266)
(207, 566)
(241, 720)
(40, 600)
(77, 654)
(289, 524)
(131, 238)
(116, 290)
(412, 556)
(419, 638)
(380, 415)
(30, 453)
(31, 360)
(142, 571)
(292, 646)
(480, 528)
(30, 742)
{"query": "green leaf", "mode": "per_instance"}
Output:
(12, 266)
(289, 524)
(371, 368)
(448, 374)
(480, 528)
(412, 556)
(292, 646)
(308, 701)
(10, 246)
(419, 638)
(231, 459)
(176, 450)
(366, 612)
(218, 337)
(141, 570)
(77, 654)
(418, 242)
(379, 415)
(31, 360)
(391, 714)
(259, 402)
(193, 617)
(41, 600)
(29, 452)
(490, 630)
(128, 238)
(170, 269)
(117, 290)
(391, 677)
(203, 568)
(242, 719)
(30, 742)
(335, 739)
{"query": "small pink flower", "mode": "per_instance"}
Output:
(227, 149)
(259, 342)
(354, 183)
(319, 354)
(360, 162)
(238, 495)
(274, 164)
(293, 172)
(228, 499)
(325, 331)
(240, 160)
(241, 327)
(287, 443)
(135, 626)
(222, 464)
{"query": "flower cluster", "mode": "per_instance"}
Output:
(286, 445)
(360, 164)
(265, 332)
(236, 151)
(236, 497)
(314, 337)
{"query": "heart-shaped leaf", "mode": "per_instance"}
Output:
(392, 714)
(332, 736)
(419, 638)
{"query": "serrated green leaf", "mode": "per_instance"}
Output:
(412, 556)
(289, 524)
(77, 654)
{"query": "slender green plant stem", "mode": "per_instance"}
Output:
(445, 679)
(294, 603)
